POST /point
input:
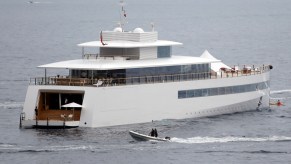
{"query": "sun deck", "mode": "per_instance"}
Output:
(93, 62)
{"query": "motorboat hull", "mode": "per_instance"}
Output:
(142, 137)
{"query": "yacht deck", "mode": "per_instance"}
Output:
(106, 82)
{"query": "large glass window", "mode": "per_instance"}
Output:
(164, 51)
(190, 93)
(182, 94)
(213, 91)
(228, 90)
(223, 90)
(235, 89)
(148, 74)
(198, 92)
(205, 92)
(120, 73)
(168, 70)
(186, 69)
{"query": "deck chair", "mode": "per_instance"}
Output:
(99, 83)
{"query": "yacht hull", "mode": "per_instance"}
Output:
(130, 104)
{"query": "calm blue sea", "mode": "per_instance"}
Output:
(236, 31)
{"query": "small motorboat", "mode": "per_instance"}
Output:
(143, 137)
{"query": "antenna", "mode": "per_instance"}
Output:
(153, 26)
(122, 14)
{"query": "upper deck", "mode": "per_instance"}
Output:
(132, 45)
(162, 78)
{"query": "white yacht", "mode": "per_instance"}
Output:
(135, 78)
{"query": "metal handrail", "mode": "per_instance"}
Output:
(69, 81)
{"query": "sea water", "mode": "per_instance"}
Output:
(239, 32)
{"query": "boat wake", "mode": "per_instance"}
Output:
(280, 95)
(11, 105)
(36, 2)
(197, 140)
(7, 148)
(281, 91)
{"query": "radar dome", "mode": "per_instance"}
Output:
(118, 29)
(138, 30)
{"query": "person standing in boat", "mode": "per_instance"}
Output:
(152, 133)
(156, 132)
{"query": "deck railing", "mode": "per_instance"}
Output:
(97, 56)
(104, 82)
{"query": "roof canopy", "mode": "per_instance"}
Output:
(110, 64)
(207, 55)
(214, 66)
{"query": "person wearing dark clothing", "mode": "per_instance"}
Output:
(156, 132)
(152, 133)
(36, 111)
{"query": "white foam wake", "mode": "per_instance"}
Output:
(279, 98)
(10, 105)
(195, 140)
(281, 91)
(35, 2)
(284, 95)
(17, 148)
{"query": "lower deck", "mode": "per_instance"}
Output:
(61, 114)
